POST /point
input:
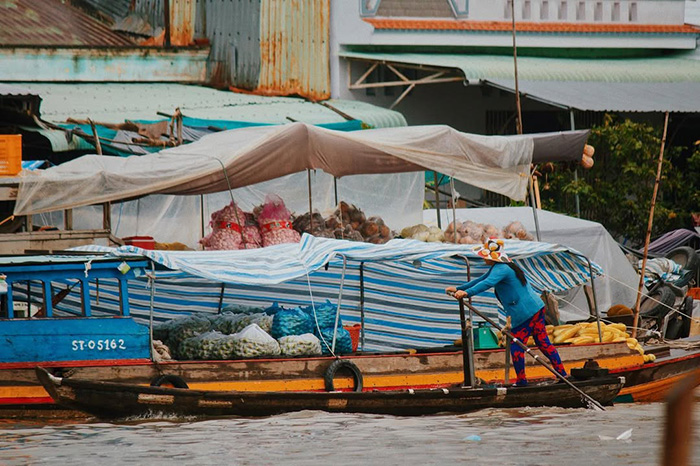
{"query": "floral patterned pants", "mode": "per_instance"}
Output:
(534, 326)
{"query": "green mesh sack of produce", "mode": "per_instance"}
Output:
(290, 322)
(343, 342)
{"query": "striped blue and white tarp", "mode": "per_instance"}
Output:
(400, 298)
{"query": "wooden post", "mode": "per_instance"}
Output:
(679, 422)
(178, 121)
(107, 216)
(98, 146)
(649, 225)
(519, 122)
(68, 219)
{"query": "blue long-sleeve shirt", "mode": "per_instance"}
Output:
(519, 301)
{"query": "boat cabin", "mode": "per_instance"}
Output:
(38, 328)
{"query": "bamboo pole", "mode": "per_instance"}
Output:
(649, 225)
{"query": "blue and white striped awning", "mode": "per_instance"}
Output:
(549, 267)
(395, 289)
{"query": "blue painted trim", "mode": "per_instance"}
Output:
(85, 297)
(124, 297)
(48, 305)
(73, 339)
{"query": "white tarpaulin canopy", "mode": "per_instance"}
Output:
(246, 156)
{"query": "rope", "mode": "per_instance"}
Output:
(313, 307)
(340, 297)
(655, 300)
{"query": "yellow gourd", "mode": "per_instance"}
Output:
(565, 335)
(582, 340)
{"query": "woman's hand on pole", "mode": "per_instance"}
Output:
(460, 294)
(450, 290)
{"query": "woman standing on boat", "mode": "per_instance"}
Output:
(519, 301)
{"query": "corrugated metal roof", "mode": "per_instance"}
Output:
(117, 102)
(613, 97)
(115, 9)
(669, 68)
(525, 27)
(60, 140)
(52, 23)
(11, 89)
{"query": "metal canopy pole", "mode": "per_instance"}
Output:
(362, 306)
(437, 199)
(454, 209)
(311, 212)
(467, 346)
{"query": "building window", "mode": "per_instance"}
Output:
(544, 10)
(527, 9)
(581, 11)
(616, 11)
(563, 9)
(633, 12)
(509, 6)
(598, 12)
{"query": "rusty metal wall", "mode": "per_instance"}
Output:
(270, 47)
(233, 30)
(182, 18)
(294, 48)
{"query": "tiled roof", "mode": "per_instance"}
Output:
(52, 23)
(548, 27)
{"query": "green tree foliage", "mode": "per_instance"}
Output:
(617, 191)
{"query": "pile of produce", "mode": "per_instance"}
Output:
(306, 344)
(275, 222)
(421, 232)
(228, 322)
(347, 222)
(466, 232)
(253, 342)
(226, 227)
(243, 331)
(587, 332)
(252, 239)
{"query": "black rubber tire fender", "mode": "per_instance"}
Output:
(169, 379)
(674, 328)
(650, 308)
(687, 309)
(337, 365)
(686, 257)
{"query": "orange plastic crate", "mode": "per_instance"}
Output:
(10, 154)
(694, 293)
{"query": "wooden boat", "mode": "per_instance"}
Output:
(119, 400)
(70, 347)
